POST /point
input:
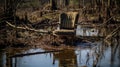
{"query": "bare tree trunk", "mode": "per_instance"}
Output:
(109, 2)
(5, 6)
(53, 5)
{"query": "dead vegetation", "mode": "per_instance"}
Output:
(32, 17)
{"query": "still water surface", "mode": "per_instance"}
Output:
(99, 55)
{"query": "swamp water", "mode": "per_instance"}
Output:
(95, 53)
(99, 55)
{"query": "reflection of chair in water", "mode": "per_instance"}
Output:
(66, 58)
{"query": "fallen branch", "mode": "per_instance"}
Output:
(112, 33)
(28, 54)
(27, 28)
(107, 21)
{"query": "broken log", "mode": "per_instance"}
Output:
(28, 54)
